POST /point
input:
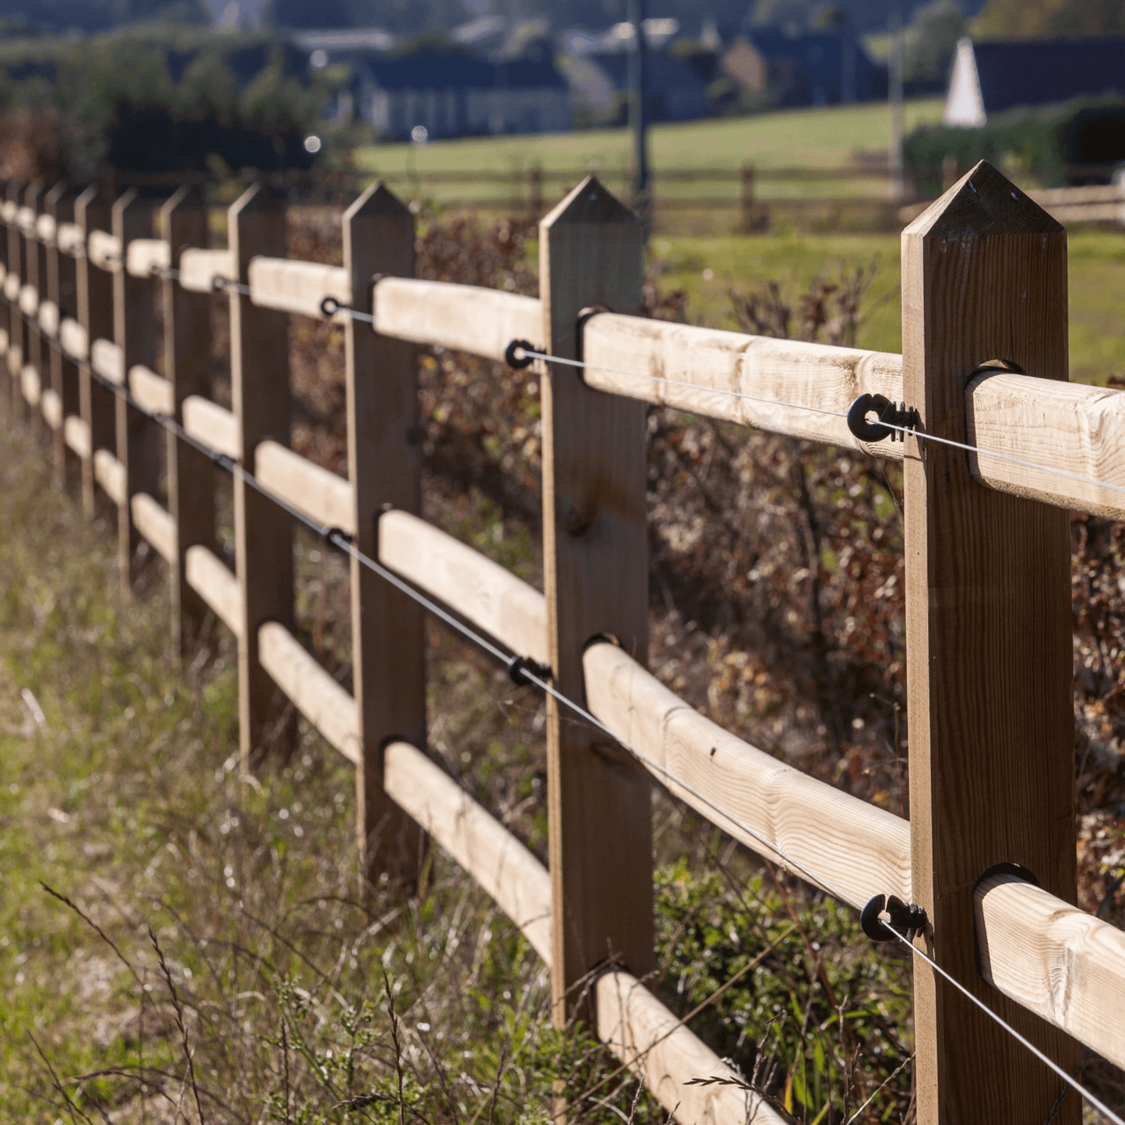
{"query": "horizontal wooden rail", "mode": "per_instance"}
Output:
(30, 384)
(463, 317)
(508, 872)
(328, 706)
(25, 220)
(144, 255)
(842, 844)
(200, 268)
(108, 361)
(481, 591)
(155, 523)
(49, 318)
(76, 434)
(297, 287)
(1060, 962)
(45, 229)
(657, 1047)
(110, 474)
(153, 392)
(12, 288)
(793, 388)
(319, 493)
(213, 425)
(29, 300)
(51, 405)
(70, 239)
(104, 249)
(216, 584)
(72, 338)
(8, 211)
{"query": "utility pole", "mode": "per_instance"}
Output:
(638, 111)
(894, 156)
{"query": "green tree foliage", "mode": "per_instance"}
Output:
(931, 40)
(1050, 19)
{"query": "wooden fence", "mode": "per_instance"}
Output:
(987, 575)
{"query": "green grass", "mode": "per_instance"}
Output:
(743, 262)
(807, 138)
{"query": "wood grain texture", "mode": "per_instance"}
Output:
(214, 425)
(139, 439)
(1060, 962)
(297, 287)
(486, 594)
(596, 579)
(217, 584)
(988, 639)
(143, 255)
(328, 706)
(155, 523)
(199, 268)
(263, 533)
(152, 391)
(187, 357)
(652, 1042)
(318, 493)
(462, 317)
(849, 848)
(515, 880)
(384, 470)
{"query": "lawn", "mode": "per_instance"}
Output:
(828, 137)
(709, 268)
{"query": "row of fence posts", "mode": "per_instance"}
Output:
(987, 575)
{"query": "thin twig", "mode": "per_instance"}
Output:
(95, 927)
(178, 1007)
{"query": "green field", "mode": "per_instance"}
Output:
(806, 138)
(745, 262)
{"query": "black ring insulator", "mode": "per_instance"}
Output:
(334, 536)
(219, 283)
(329, 306)
(520, 666)
(857, 418)
(522, 361)
(874, 926)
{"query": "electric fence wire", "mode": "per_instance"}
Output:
(338, 539)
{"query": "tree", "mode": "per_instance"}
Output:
(1050, 19)
(931, 40)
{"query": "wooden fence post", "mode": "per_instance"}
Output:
(17, 278)
(384, 467)
(746, 197)
(988, 641)
(95, 313)
(263, 533)
(187, 353)
(33, 354)
(134, 330)
(62, 291)
(535, 189)
(596, 576)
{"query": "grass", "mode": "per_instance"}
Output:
(808, 138)
(707, 269)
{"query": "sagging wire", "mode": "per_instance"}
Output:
(524, 670)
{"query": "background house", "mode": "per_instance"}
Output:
(991, 77)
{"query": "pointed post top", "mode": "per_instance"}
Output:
(257, 197)
(590, 202)
(983, 202)
(187, 196)
(377, 201)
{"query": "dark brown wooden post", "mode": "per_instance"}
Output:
(746, 198)
(263, 533)
(596, 575)
(95, 313)
(134, 330)
(62, 290)
(187, 352)
(988, 641)
(535, 190)
(384, 466)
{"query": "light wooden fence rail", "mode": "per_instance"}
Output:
(988, 588)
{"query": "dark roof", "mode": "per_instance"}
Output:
(815, 61)
(1041, 72)
(443, 70)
